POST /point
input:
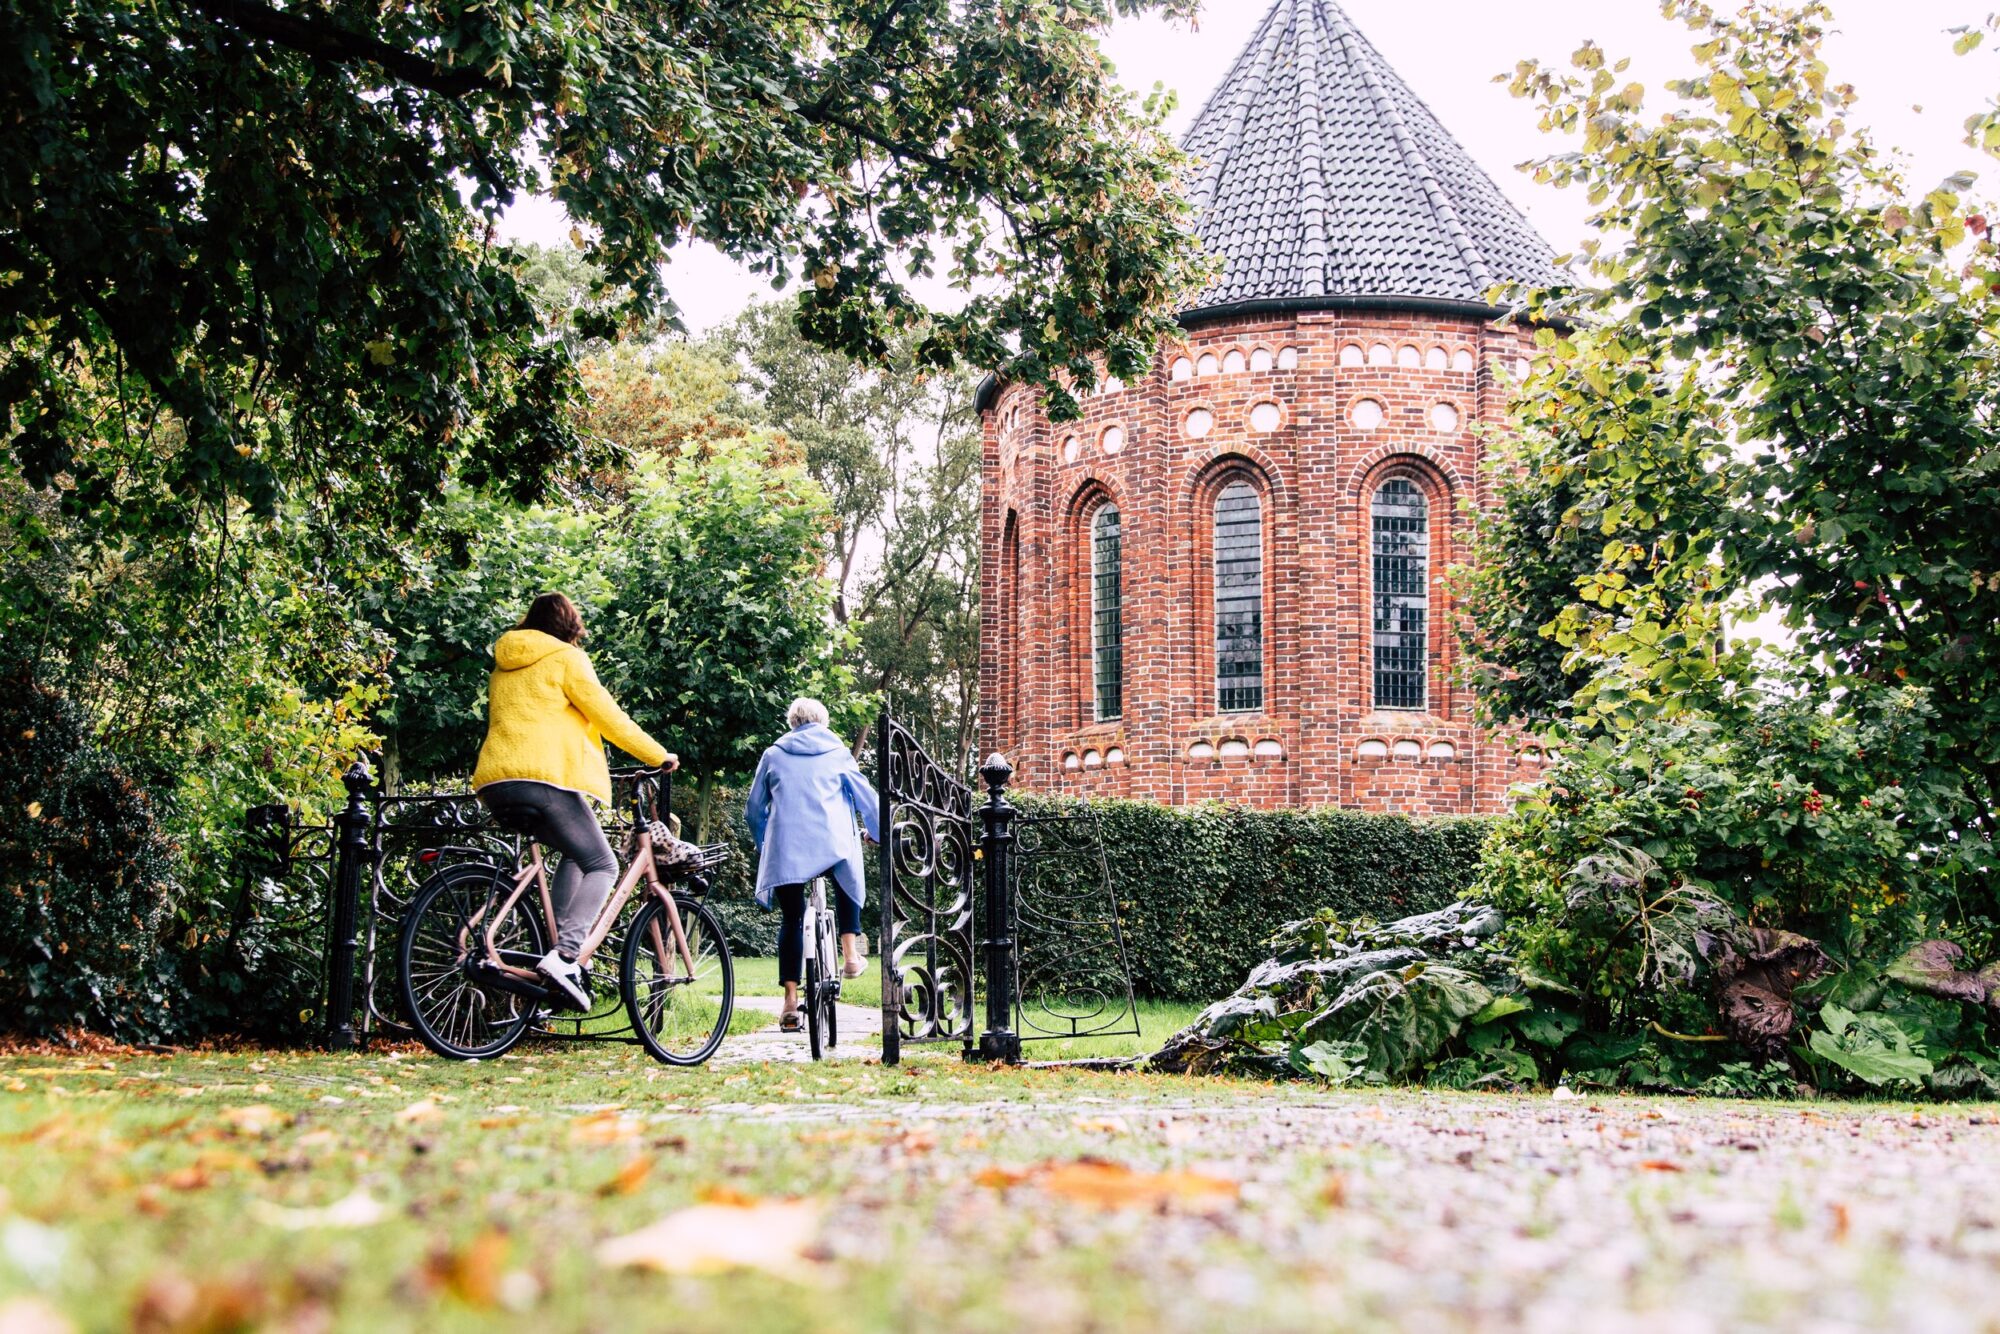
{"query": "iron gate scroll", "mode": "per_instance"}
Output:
(362, 868)
(1074, 979)
(926, 882)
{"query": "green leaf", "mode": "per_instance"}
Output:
(1499, 1008)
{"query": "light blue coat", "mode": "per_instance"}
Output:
(801, 811)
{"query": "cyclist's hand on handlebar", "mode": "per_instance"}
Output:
(669, 764)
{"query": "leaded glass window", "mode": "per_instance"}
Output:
(1107, 604)
(1239, 598)
(1402, 550)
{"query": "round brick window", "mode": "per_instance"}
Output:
(1199, 423)
(1071, 449)
(1265, 418)
(1444, 417)
(1113, 439)
(1366, 414)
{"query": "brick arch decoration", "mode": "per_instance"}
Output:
(1421, 459)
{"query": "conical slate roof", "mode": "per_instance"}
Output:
(1325, 180)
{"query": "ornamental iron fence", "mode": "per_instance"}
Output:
(971, 895)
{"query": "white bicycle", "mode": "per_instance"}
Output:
(820, 991)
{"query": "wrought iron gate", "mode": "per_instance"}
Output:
(1074, 978)
(926, 888)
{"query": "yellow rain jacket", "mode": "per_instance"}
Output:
(547, 719)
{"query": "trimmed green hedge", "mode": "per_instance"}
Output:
(1201, 888)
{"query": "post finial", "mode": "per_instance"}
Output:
(996, 771)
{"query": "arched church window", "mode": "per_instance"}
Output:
(1402, 594)
(1239, 598)
(1107, 605)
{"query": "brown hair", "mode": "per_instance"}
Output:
(554, 614)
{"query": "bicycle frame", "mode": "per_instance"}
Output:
(534, 871)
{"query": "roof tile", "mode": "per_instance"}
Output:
(1323, 175)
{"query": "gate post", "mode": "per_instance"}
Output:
(353, 826)
(999, 1042)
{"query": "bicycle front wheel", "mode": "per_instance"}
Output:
(680, 1004)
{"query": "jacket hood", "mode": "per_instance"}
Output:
(524, 648)
(812, 739)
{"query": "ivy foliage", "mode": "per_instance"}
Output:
(87, 886)
(269, 225)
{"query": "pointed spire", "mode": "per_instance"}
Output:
(1324, 178)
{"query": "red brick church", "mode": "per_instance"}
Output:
(1224, 581)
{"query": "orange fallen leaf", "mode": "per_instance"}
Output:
(471, 1273)
(607, 1127)
(1109, 1185)
(421, 1112)
(630, 1177)
(1660, 1165)
(826, 1137)
(1841, 1220)
(173, 1303)
(195, 1176)
(1103, 1125)
(774, 1236)
(1333, 1194)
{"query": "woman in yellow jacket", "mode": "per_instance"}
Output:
(547, 720)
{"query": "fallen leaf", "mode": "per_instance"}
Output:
(1841, 1220)
(471, 1273)
(606, 1127)
(257, 1119)
(172, 1303)
(1109, 1185)
(315, 1139)
(1103, 1125)
(769, 1235)
(630, 1177)
(421, 1112)
(998, 1178)
(1333, 1194)
(359, 1209)
(192, 1177)
(1564, 1093)
(1660, 1165)
(826, 1137)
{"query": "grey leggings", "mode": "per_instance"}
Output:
(561, 819)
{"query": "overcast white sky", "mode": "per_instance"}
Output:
(1896, 52)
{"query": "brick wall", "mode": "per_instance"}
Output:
(1317, 740)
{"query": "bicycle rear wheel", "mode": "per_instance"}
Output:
(816, 1007)
(680, 1014)
(458, 1014)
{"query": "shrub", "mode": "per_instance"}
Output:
(1201, 889)
(1828, 824)
(87, 886)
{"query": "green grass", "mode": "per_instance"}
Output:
(1158, 1020)
(144, 1191)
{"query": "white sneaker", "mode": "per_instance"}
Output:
(566, 978)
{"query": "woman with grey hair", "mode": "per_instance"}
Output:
(801, 810)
